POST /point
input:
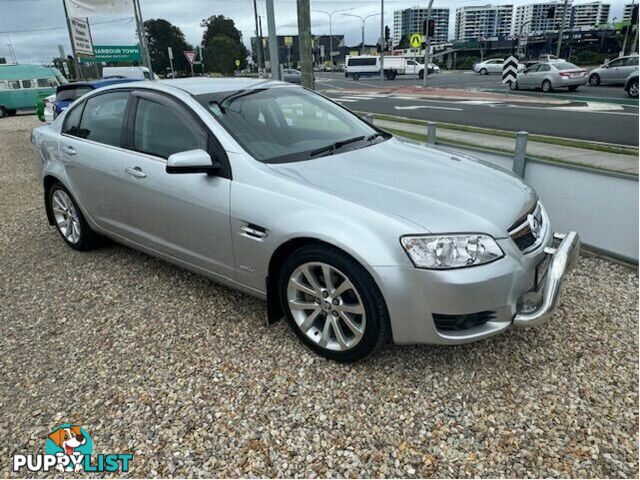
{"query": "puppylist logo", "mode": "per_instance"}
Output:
(69, 448)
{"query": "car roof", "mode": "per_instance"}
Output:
(97, 83)
(203, 85)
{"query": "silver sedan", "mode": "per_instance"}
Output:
(352, 235)
(550, 76)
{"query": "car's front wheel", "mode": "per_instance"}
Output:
(483, 71)
(594, 80)
(632, 89)
(546, 86)
(332, 303)
(69, 220)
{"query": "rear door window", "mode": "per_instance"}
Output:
(72, 121)
(71, 94)
(103, 117)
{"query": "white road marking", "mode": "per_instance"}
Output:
(345, 100)
(593, 107)
(416, 107)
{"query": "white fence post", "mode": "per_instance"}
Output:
(431, 133)
(520, 153)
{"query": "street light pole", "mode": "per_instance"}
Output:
(330, 14)
(381, 41)
(561, 32)
(425, 72)
(363, 19)
(273, 42)
(520, 36)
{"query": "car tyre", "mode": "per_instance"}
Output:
(3, 112)
(483, 71)
(69, 220)
(356, 76)
(513, 85)
(421, 74)
(632, 89)
(346, 318)
(594, 80)
(391, 75)
(546, 86)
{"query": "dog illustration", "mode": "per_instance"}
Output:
(68, 439)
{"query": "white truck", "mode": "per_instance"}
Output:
(369, 65)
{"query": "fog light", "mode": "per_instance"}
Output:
(529, 302)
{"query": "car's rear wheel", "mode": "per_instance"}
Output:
(483, 71)
(594, 80)
(513, 85)
(356, 76)
(69, 220)
(332, 303)
(3, 112)
(546, 86)
(421, 74)
(391, 75)
(632, 89)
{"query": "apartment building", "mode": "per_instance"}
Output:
(590, 14)
(540, 17)
(626, 15)
(473, 22)
(409, 20)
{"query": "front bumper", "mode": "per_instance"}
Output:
(415, 297)
(564, 259)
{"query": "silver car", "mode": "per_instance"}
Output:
(354, 236)
(292, 76)
(550, 76)
(615, 72)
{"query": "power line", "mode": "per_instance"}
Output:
(62, 28)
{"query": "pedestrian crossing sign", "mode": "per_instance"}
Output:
(415, 40)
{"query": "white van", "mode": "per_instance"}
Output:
(369, 65)
(140, 73)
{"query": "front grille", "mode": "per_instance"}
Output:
(528, 229)
(462, 322)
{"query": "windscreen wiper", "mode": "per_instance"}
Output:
(329, 149)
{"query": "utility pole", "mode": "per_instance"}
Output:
(259, 52)
(304, 44)
(144, 48)
(427, 49)
(561, 31)
(76, 64)
(273, 42)
(381, 41)
(170, 52)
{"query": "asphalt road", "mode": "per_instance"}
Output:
(602, 114)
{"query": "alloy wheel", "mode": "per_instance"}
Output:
(326, 306)
(633, 89)
(66, 216)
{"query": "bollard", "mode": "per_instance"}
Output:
(520, 153)
(431, 133)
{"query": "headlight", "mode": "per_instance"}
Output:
(441, 252)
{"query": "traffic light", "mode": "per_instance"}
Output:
(387, 34)
(551, 12)
(429, 27)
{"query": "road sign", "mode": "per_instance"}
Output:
(191, 56)
(237, 63)
(115, 54)
(415, 40)
(81, 36)
(510, 70)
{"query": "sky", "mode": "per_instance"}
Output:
(36, 27)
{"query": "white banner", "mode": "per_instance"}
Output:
(86, 8)
(81, 36)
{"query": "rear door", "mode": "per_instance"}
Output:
(91, 151)
(185, 216)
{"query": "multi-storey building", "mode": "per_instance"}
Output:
(628, 7)
(409, 20)
(540, 17)
(473, 22)
(590, 14)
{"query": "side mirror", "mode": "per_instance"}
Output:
(192, 161)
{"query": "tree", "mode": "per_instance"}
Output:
(219, 25)
(221, 53)
(161, 35)
(222, 43)
(59, 62)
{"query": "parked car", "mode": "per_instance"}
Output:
(493, 65)
(614, 72)
(69, 93)
(21, 85)
(292, 76)
(631, 85)
(550, 76)
(353, 235)
(137, 73)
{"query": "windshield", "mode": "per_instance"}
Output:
(72, 93)
(284, 124)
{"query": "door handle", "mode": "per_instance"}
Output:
(69, 150)
(135, 172)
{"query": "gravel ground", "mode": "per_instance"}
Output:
(183, 373)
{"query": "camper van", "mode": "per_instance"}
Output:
(20, 85)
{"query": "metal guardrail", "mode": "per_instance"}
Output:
(602, 206)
